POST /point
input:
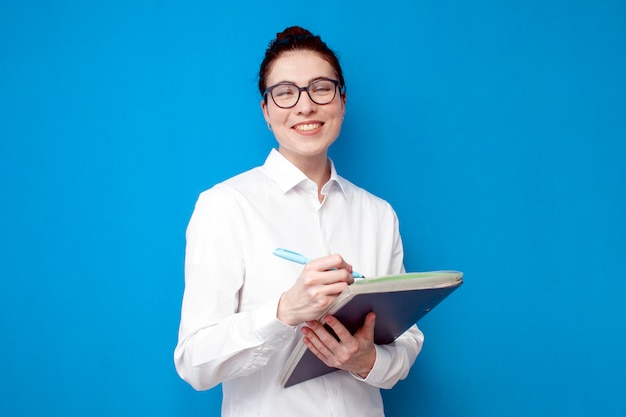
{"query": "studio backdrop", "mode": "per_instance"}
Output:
(497, 130)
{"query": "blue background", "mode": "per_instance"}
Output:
(496, 129)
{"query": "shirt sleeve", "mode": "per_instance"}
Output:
(216, 341)
(393, 361)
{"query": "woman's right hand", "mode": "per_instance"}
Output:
(320, 282)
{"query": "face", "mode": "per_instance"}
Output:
(306, 130)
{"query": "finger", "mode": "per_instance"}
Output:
(327, 361)
(330, 262)
(325, 336)
(334, 266)
(328, 278)
(340, 330)
(334, 288)
(315, 344)
(367, 330)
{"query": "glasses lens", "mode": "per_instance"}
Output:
(322, 91)
(285, 95)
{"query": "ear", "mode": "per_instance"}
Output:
(265, 112)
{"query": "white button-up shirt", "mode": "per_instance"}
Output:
(229, 332)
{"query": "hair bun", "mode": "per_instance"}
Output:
(291, 33)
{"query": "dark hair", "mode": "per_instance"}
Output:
(295, 38)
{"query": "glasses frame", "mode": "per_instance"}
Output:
(268, 91)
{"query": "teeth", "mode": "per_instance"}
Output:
(308, 126)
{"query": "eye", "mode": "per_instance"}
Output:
(283, 91)
(322, 87)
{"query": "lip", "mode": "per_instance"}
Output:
(308, 127)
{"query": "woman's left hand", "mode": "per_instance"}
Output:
(354, 353)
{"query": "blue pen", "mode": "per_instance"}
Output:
(301, 259)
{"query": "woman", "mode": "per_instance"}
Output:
(243, 308)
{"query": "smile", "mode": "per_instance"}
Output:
(307, 127)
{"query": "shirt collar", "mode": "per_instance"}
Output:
(287, 175)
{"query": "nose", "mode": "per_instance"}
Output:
(305, 105)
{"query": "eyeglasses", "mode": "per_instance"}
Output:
(286, 95)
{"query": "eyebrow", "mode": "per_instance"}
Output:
(308, 82)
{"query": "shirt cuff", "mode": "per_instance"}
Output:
(381, 365)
